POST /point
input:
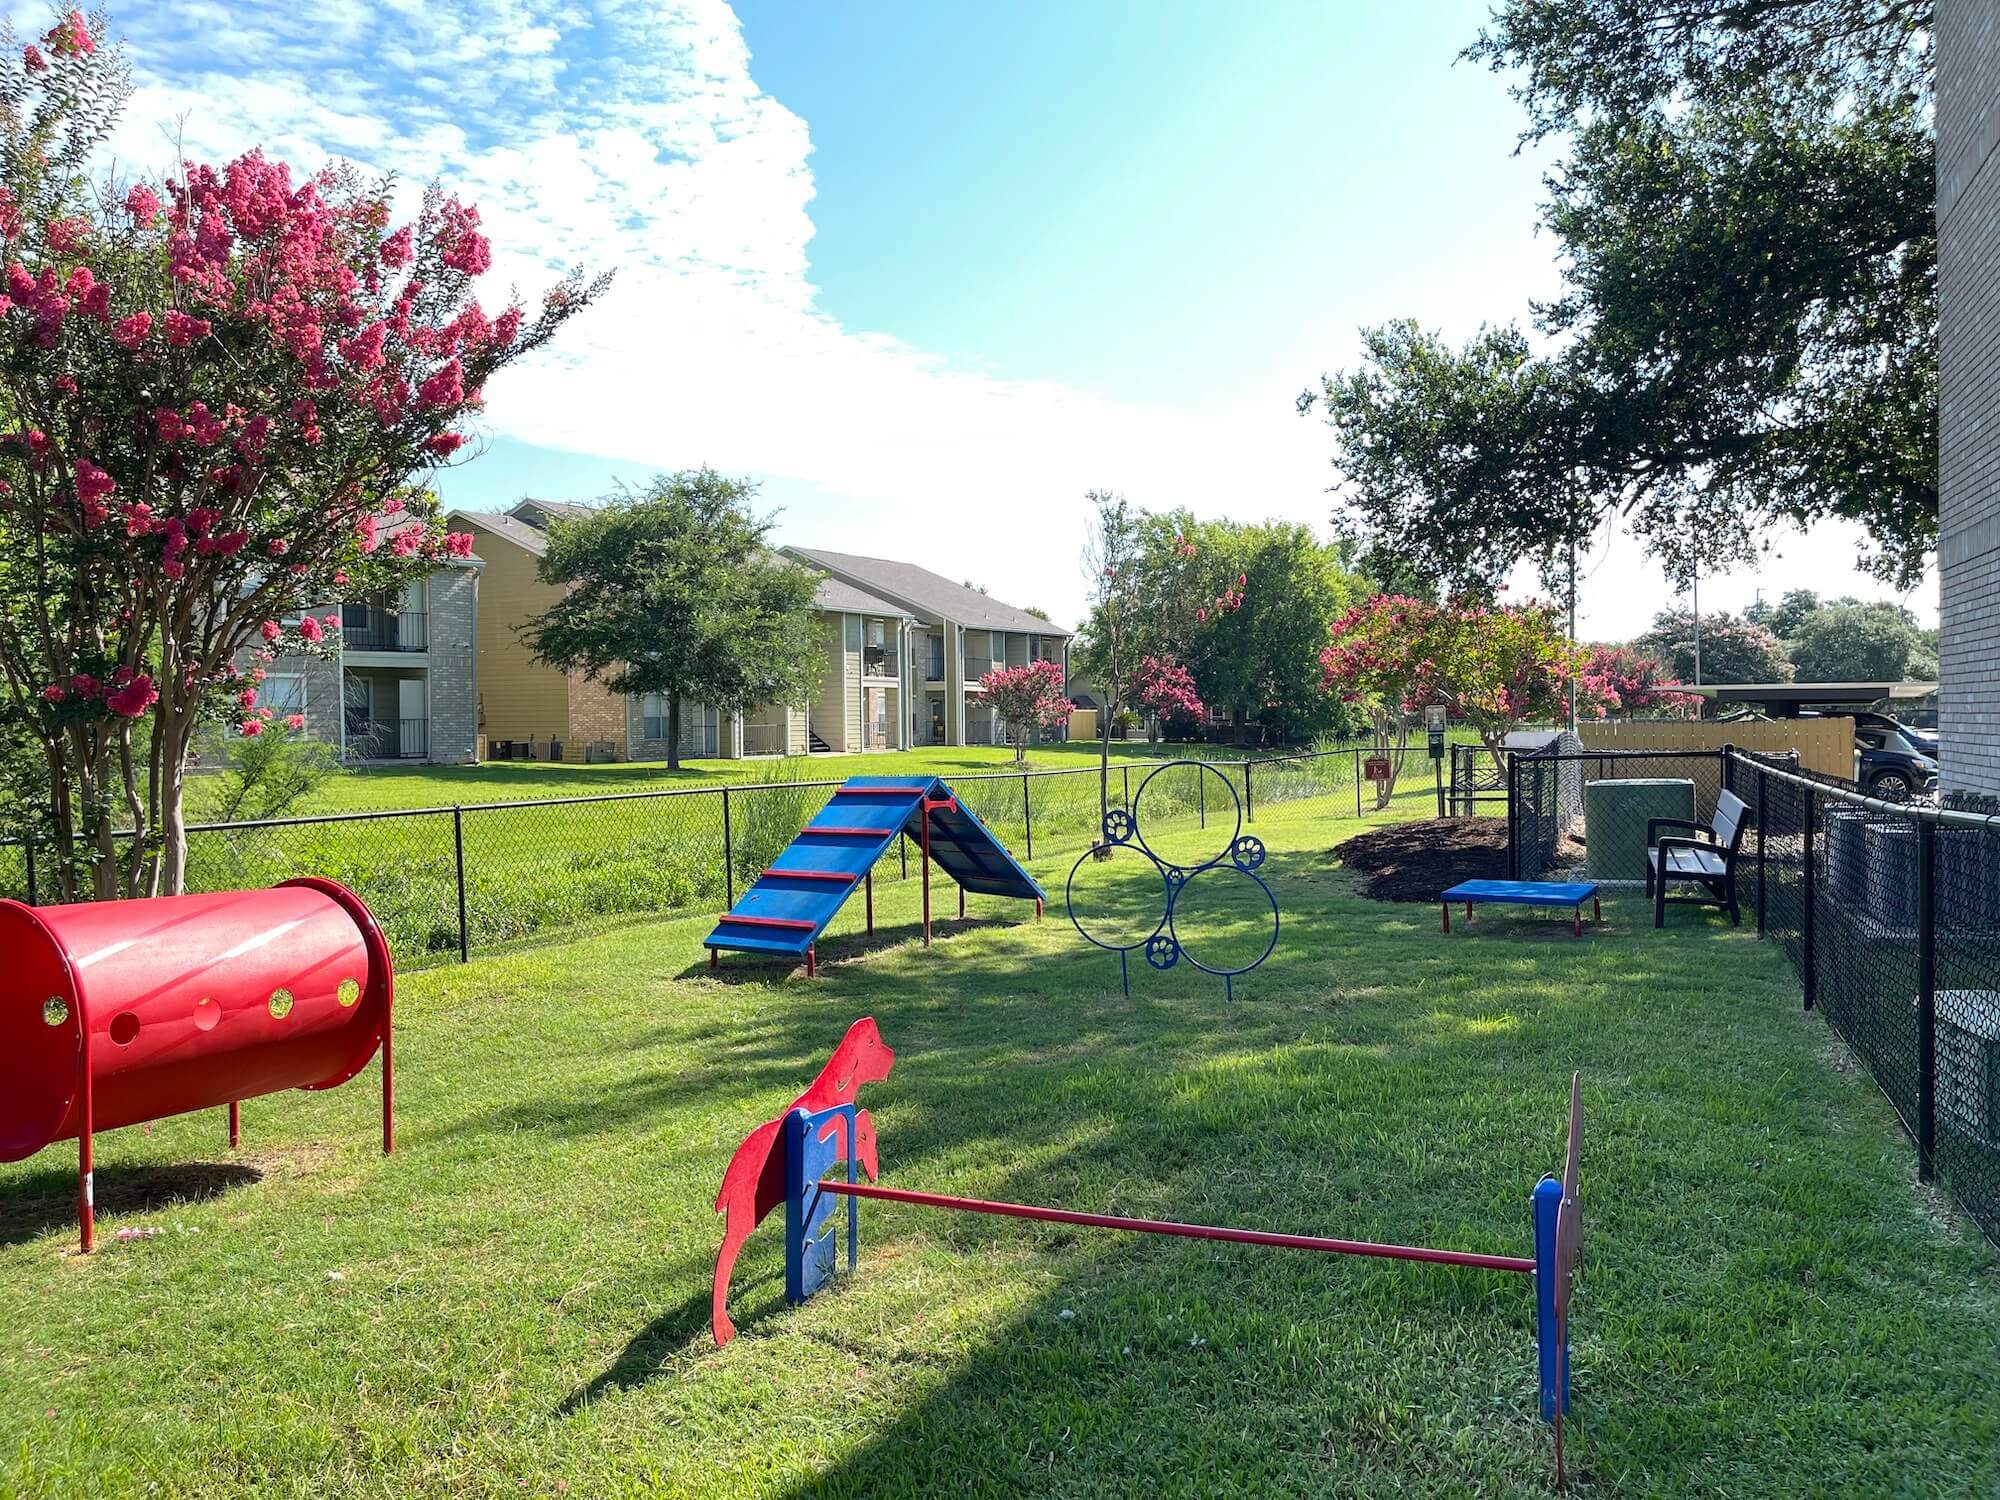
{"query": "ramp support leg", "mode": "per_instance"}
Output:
(235, 1123)
(1038, 908)
(925, 861)
(812, 962)
(869, 882)
(961, 903)
(713, 956)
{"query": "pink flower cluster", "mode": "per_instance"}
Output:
(128, 695)
(1025, 695)
(1166, 689)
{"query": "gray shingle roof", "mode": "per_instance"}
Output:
(931, 596)
(833, 594)
(528, 538)
(568, 509)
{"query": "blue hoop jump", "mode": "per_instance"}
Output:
(1242, 855)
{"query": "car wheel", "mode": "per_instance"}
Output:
(1890, 786)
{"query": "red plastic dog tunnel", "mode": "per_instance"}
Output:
(118, 1012)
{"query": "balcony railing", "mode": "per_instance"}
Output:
(880, 661)
(388, 739)
(977, 667)
(383, 630)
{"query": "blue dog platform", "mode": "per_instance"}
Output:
(1525, 893)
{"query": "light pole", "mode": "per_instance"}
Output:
(1697, 622)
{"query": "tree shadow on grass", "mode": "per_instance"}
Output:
(47, 1200)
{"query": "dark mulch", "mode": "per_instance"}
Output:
(1415, 861)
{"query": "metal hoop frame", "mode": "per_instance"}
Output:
(1242, 854)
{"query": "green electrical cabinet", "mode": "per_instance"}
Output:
(1615, 814)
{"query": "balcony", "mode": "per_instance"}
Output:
(934, 672)
(977, 667)
(384, 630)
(880, 661)
(388, 739)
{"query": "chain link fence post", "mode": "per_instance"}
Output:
(1249, 801)
(1809, 965)
(728, 854)
(28, 854)
(1027, 815)
(1926, 1000)
(1763, 801)
(1513, 818)
(458, 860)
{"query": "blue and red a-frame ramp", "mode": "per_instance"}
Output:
(788, 906)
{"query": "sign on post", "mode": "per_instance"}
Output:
(1434, 726)
(1376, 768)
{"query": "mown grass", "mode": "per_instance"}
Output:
(1770, 1306)
(372, 788)
(537, 872)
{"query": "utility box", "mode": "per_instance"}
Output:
(1615, 814)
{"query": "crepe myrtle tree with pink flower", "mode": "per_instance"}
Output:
(221, 393)
(1620, 680)
(1027, 698)
(1490, 667)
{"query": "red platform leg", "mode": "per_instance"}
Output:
(1038, 908)
(1446, 909)
(870, 882)
(812, 962)
(1596, 911)
(713, 956)
(1468, 911)
(1577, 929)
(235, 1123)
(926, 856)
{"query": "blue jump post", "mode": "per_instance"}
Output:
(1551, 1336)
(810, 1256)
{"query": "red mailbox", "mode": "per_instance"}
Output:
(115, 1012)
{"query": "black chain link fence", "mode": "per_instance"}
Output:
(1888, 912)
(1890, 915)
(447, 882)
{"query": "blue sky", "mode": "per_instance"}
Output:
(929, 272)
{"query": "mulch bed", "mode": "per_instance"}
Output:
(1415, 861)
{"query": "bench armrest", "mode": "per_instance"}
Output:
(1653, 825)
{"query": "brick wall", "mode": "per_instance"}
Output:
(1968, 116)
(454, 674)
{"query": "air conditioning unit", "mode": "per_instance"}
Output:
(1968, 1063)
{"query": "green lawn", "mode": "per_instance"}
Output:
(499, 781)
(517, 1301)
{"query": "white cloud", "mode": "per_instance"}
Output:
(632, 134)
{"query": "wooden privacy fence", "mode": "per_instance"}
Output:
(1824, 746)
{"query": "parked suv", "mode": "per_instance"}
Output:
(1889, 763)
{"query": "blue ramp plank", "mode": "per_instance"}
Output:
(787, 907)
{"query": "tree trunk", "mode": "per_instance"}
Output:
(1103, 775)
(673, 733)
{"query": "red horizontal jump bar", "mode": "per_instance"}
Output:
(812, 875)
(869, 833)
(1188, 1231)
(792, 922)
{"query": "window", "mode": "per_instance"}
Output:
(653, 713)
(283, 693)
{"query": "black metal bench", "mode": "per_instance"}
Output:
(1708, 859)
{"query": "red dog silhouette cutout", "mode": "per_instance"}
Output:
(754, 1183)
